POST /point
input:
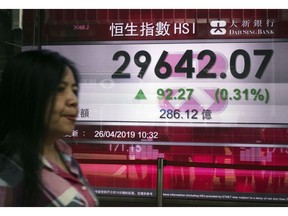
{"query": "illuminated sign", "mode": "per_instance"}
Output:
(150, 29)
(182, 84)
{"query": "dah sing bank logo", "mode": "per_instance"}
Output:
(218, 27)
(247, 27)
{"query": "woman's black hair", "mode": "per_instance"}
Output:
(28, 83)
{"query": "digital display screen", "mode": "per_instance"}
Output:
(203, 89)
(233, 164)
(182, 84)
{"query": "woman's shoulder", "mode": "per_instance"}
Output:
(11, 173)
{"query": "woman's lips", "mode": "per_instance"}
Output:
(71, 117)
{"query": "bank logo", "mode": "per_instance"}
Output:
(218, 27)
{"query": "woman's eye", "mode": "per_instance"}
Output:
(76, 91)
(60, 89)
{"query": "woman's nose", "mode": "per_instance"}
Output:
(72, 99)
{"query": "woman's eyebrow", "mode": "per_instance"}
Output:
(66, 83)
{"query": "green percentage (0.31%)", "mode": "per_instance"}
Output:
(242, 94)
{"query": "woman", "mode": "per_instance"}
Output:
(39, 105)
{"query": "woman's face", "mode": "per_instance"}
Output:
(65, 110)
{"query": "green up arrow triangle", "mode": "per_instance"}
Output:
(140, 95)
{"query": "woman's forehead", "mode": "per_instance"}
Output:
(68, 75)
